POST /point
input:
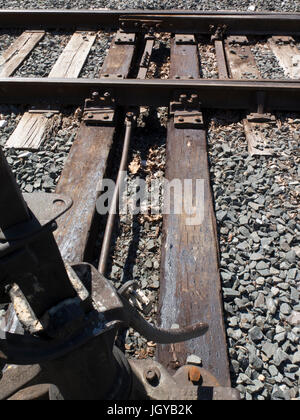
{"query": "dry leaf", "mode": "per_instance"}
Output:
(135, 165)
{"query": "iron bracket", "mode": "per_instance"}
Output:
(140, 25)
(186, 110)
(261, 118)
(99, 109)
(183, 39)
(125, 38)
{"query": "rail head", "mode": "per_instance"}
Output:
(213, 93)
(182, 21)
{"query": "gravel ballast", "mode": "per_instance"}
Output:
(252, 5)
(257, 210)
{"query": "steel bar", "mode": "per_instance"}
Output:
(171, 20)
(223, 94)
(115, 199)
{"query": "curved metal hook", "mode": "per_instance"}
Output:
(160, 335)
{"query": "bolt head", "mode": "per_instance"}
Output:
(194, 374)
(152, 375)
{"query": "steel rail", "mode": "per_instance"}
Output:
(225, 94)
(170, 20)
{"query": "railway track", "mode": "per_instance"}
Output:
(154, 60)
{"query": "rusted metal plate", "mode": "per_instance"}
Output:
(118, 62)
(190, 279)
(182, 39)
(241, 62)
(186, 119)
(124, 38)
(184, 62)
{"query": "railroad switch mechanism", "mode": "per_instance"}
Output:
(69, 316)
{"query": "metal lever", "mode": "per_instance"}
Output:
(130, 117)
(160, 335)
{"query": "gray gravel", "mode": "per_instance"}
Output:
(43, 57)
(39, 171)
(96, 57)
(257, 209)
(137, 243)
(7, 38)
(271, 5)
(266, 62)
(208, 61)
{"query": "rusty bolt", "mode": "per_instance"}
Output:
(194, 374)
(129, 116)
